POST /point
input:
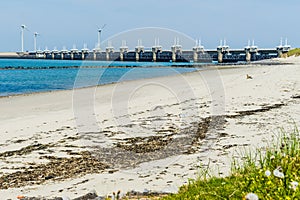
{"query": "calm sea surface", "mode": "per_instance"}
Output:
(28, 76)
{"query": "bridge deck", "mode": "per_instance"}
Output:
(207, 55)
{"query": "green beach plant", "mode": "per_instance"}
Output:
(271, 173)
(294, 52)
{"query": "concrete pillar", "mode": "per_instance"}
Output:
(220, 55)
(175, 49)
(195, 56)
(107, 54)
(138, 49)
(121, 56)
(53, 56)
(155, 50)
(196, 49)
(248, 55)
(72, 56)
(95, 55)
(154, 56)
(82, 56)
(173, 54)
(110, 49)
(137, 56)
(123, 49)
(62, 56)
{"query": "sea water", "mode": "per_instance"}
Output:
(19, 76)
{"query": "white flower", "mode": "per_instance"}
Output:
(272, 157)
(251, 196)
(268, 173)
(278, 173)
(294, 185)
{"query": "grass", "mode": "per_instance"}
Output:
(270, 174)
(294, 52)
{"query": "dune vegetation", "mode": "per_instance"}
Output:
(294, 52)
(272, 173)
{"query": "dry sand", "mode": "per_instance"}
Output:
(9, 54)
(151, 134)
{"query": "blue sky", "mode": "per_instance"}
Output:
(67, 22)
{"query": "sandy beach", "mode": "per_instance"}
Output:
(143, 135)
